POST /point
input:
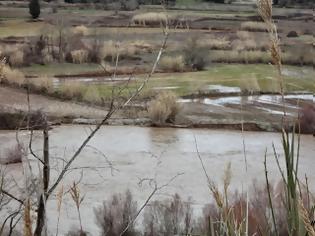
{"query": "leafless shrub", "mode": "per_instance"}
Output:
(173, 217)
(307, 119)
(12, 76)
(42, 83)
(150, 19)
(292, 34)
(80, 30)
(110, 49)
(79, 56)
(194, 55)
(164, 108)
(13, 155)
(115, 214)
(16, 58)
(172, 63)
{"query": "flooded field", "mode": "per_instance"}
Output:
(135, 154)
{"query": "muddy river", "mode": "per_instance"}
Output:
(118, 158)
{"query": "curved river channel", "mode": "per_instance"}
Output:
(125, 157)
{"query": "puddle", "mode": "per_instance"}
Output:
(87, 80)
(262, 102)
(166, 88)
(223, 89)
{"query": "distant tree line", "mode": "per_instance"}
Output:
(126, 4)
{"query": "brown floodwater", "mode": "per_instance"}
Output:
(154, 153)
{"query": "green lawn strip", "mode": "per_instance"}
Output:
(59, 69)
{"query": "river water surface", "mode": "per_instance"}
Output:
(135, 154)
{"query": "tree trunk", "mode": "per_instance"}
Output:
(41, 210)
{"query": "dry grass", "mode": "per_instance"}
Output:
(150, 18)
(14, 54)
(235, 56)
(17, 58)
(248, 44)
(12, 76)
(72, 89)
(80, 30)
(215, 43)
(79, 56)
(254, 26)
(13, 155)
(92, 95)
(172, 63)
(142, 45)
(164, 108)
(43, 83)
(110, 49)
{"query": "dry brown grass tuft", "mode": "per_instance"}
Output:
(43, 83)
(110, 49)
(220, 43)
(164, 108)
(79, 56)
(248, 44)
(80, 30)
(150, 18)
(254, 26)
(172, 63)
(306, 219)
(17, 58)
(72, 89)
(12, 76)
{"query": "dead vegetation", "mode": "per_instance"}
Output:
(164, 108)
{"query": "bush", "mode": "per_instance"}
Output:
(307, 119)
(16, 58)
(150, 19)
(115, 214)
(110, 49)
(292, 34)
(13, 155)
(172, 217)
(79, 56)
(71, 90)
(164, 108)
(195, 56)
(12, 76)
(34, 8)
(80, 30)
(172, 63)
(43, 84)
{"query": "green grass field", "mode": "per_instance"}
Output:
(255, 77)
